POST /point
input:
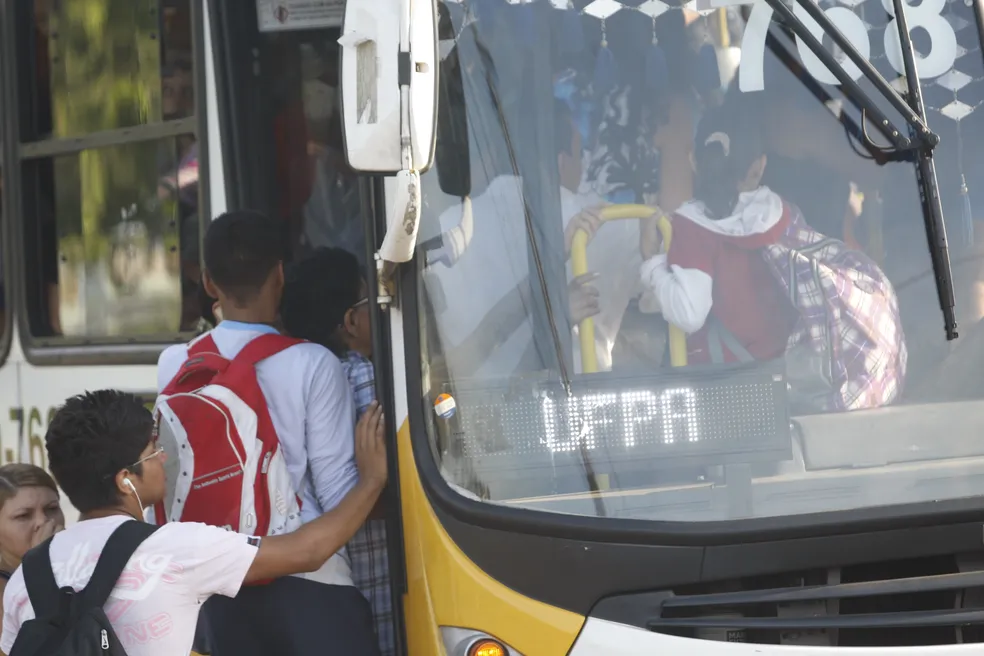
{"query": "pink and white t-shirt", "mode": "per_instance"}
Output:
(154, 606)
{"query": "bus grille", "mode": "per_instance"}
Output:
(929, 601)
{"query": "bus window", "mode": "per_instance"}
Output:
(295, 151)
(110, 171)
(737, 136)
(332, 214)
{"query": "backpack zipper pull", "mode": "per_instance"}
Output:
(105, 639)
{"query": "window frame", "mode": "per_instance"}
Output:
(59, 350)
(6, 232)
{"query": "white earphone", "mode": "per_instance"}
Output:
(127, 482)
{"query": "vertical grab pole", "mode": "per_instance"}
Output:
(579, 267)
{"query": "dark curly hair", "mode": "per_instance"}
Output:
(90, 439)
(318, 291)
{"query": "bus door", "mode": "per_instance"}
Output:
(280, 116)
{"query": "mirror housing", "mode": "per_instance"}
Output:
(388, 82)
(451, 153)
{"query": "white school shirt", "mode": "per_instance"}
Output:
(311, 408)
(154, 607)
(496, 261)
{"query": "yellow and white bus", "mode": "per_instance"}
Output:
(552, 493)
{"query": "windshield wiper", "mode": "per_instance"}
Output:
(920, 141)
(556, 342)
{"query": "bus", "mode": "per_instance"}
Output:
(563, 481)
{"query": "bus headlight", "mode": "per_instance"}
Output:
(469, 642)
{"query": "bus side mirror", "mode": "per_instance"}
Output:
(452, 149)
(389, 84)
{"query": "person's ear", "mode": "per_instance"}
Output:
(209, 285)
(124, 485)
(755, 173)
(278, 275)
(350, 322)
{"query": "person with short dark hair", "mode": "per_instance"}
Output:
(326, 301)
(103, 453)
(310, 407)
(322, 294)
(244, 255)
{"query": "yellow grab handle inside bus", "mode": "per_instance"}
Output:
(579, 267)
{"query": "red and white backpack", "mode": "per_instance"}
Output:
(225, 466)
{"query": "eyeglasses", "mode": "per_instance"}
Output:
(158, 450)
(359, 303)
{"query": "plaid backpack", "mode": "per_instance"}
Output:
(847, 351)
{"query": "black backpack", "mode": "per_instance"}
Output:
(69, 623)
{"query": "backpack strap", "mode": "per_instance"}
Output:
(718, 335)
(264, 346)
(202, 345)
(115, 555)
(42, 589)
(201, 364)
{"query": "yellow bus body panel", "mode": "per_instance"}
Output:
(445, 588)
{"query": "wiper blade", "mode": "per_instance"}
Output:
(541, 277)
(920, 140)
(929, 191)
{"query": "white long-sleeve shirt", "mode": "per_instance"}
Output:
(496, 262)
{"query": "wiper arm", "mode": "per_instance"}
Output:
(929, 191)
(921, 140)
(851, 88)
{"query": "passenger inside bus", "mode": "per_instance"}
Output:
(714, 281)
(333, 212)
(736, 261)
(495, 337)
(644, 120)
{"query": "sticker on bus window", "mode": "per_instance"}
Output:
(283, 15)
(444, 406)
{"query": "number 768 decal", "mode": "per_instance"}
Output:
(927, 15)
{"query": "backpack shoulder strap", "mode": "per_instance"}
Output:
(263, 347)
(202, 362)
(115, 555)
(42, 589)
(204, 344)
(719, 336)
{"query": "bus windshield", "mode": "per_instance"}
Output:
(669, 270)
